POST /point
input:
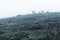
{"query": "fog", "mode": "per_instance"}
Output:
(9, 8)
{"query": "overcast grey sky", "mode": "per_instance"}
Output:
(14, 7)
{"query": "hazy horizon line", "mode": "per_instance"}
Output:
(29, 13)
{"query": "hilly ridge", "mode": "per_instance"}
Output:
(39, 26)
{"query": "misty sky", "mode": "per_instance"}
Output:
(14, 7)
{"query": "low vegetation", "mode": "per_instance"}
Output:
(36, 26)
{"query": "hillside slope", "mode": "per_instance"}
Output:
(31, 27)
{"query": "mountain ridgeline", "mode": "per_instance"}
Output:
(36, 26)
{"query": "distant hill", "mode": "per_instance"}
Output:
(39, 26)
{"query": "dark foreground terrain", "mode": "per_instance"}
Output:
(36, 26)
